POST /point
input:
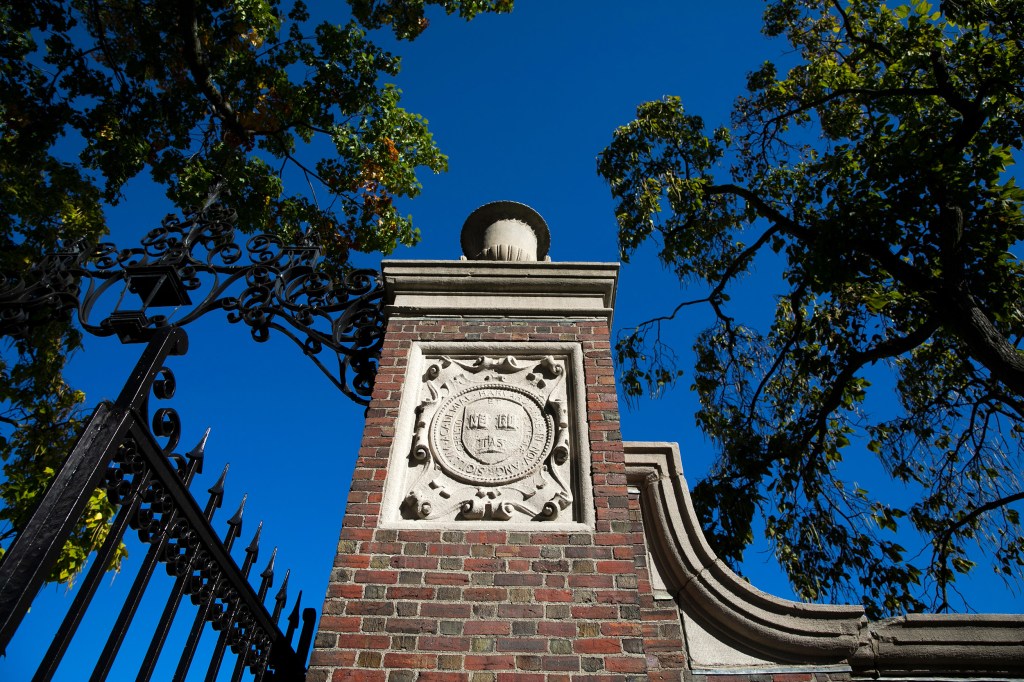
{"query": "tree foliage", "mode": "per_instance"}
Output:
(879, 170)
(291, 115)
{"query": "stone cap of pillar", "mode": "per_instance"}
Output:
(486, 288)
(505, 231)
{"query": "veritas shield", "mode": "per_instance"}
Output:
(494, 429)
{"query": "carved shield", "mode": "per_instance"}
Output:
(487, 434)
(494, 429)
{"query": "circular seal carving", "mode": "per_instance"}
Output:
(491, 434)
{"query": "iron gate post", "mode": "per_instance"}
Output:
(36, 549)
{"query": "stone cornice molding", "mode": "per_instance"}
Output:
(782, 631)
(928, 644)
(499, 289)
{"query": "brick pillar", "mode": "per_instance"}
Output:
(453, 564)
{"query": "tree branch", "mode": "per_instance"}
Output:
(715, 296)
(13, 422)
(886, 349)
(195, 57)
(780, 358)
(782, 221)
(855, 37)
(872, 93)
(968, 321)
(943, 538)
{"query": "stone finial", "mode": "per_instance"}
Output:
(506, 231)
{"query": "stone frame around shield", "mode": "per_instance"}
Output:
(491, 434)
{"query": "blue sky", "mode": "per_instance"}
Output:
(522, 104)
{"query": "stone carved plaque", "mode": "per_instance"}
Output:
(491, 434)
(491, 442)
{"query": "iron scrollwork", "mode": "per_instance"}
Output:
(195, 265)
(127, 449)
(153, 482)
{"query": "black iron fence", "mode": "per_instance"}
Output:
(193, 266)
(119, 451)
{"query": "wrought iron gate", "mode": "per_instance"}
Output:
(267, 286)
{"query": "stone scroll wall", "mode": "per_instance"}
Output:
(491, 604)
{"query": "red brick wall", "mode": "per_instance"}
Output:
(662, 628)
(494, 605)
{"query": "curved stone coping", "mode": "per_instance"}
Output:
(784, 631)
(959, 644)
(772, 627)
